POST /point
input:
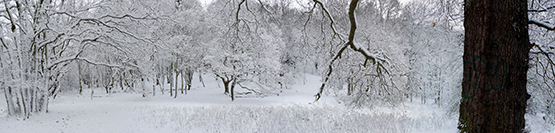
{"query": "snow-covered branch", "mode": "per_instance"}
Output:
(99, 22)
(541, 10)
(128, 16)
(67, 60)
(542, 24)
(330, 70)
(375, 59)
(9, 15)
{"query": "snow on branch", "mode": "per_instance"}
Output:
(106, 65)
(101, 23)
(542, 24)
(366, 53)
(46, 42)
(541, 10)
(111, 27)
(9, 15)
(128, 16)
(67, 60)
(545, 9)
(355, 46)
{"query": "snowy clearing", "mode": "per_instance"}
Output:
(206, 109)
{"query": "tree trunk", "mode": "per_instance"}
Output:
(170, 80)
(190, 78)
(182, 83)
(80, 80)
(162, 84)
(176, 76)
(495, 58)
(143, 87)
(121, 81)
(8, 100)
(200, 79)
(229, 86)
(226, 86)
(232, 90)
(22, 101)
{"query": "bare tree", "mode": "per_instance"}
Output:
(46, 37)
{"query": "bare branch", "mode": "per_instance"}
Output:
(9, 15)
(541, 10)
(545, 8)
(3, 44)
(375, 59)
(542, 24)
(330, 70)
(543, 49)
(546, 53)
(332, 21)
(264, 7)
(68, 60)
(99, 22)
(352, 19)
(238, 9)
(128, 16)
(46, 42)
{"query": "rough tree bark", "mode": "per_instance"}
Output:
(495, 58)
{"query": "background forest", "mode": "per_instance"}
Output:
(253, 48)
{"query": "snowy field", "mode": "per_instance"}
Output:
(207, 109)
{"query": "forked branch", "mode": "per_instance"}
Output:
(369, 56)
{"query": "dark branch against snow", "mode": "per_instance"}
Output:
(332, 21)
(351, 42)
(542, 10)
(542, 24)
(543, 49)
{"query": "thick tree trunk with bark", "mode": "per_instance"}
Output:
(495, 58)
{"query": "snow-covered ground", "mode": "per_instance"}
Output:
(207, 109)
